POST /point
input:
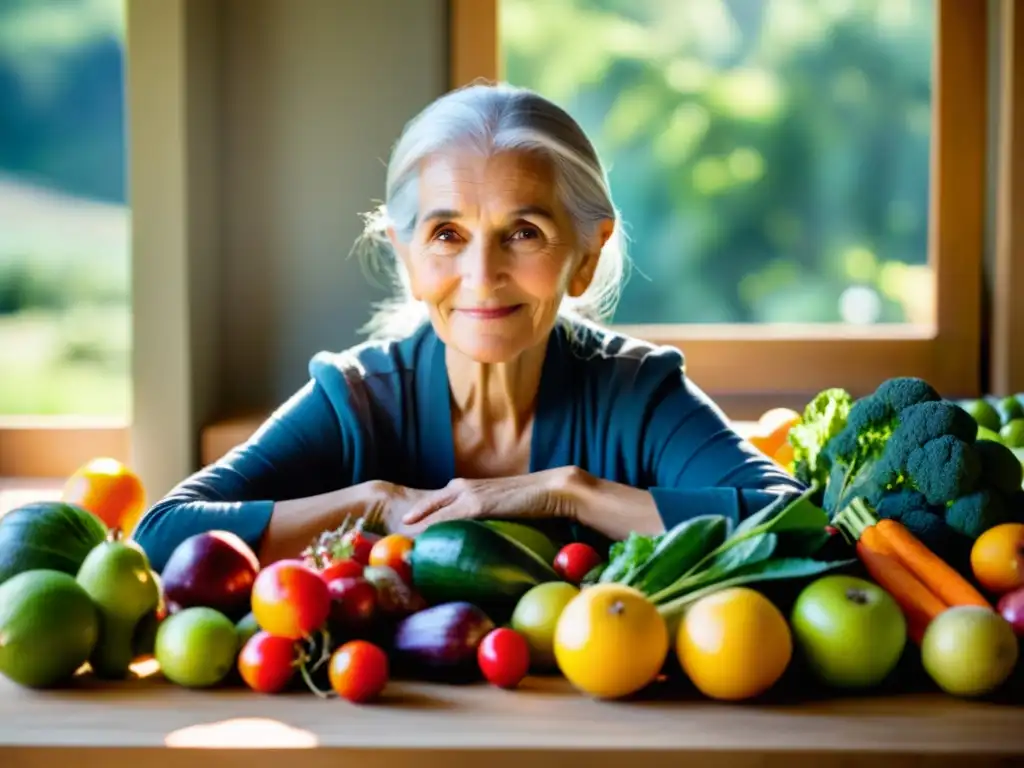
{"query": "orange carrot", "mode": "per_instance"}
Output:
(928, 567)
(919, 604)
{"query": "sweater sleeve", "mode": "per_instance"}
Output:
(303, 449)
(697, 463)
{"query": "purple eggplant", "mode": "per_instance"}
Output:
(441, 642)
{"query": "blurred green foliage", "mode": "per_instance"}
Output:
(770, 157)
(64, 267)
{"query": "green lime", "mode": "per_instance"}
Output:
(984, 413)
(984, 433)
(1013, 433)
(536, 617)
(1010, 409)
(48, 627)
(246, 628)
(196, 647)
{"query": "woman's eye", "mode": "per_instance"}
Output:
(526, 233)
(446, 235)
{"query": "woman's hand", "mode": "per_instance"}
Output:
(537, 495)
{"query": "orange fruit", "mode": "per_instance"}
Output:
(997, 558)
(610, 641)
(784, 456)
(109, 490)
(773, 429)
(734, 644)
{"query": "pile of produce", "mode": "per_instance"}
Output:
(907, 543)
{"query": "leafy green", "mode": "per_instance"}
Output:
(766, 570)
(627, 557)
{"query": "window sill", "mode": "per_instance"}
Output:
(17, 491)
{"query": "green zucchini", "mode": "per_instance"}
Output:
(678, 551)
(466, 560)
(529, 537)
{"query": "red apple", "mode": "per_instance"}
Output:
(214, 569)
(1011, 607)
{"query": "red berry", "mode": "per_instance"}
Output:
(576, 560)
(504, 657)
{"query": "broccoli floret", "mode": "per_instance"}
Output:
(902, 392)
(973, 514)
(944, 469)
(1015, 507)
(927, 421)
(895, 504)
(1000, 468)
(821, 420)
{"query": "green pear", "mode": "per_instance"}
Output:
(117, 576)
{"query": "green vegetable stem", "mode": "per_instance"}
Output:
(702, 555)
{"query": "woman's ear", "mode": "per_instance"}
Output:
(584, 275)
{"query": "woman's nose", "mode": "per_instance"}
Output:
(483, 266)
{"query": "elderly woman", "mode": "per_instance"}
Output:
(488, 389)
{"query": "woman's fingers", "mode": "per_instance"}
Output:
(428, 506)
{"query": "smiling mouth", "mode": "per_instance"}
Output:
(490, 313)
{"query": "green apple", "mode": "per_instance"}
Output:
(536, 616)
(196, 647)
(969, 650)
(850, 631)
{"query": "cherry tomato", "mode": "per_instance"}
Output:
(358, 671)
(289, 599)
(356, 544)
(353, 604)
(576, 560)
(504, 657)
(341, 569)
(267, 662)
(394, 551)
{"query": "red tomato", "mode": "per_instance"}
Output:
(357, 545)
(342, 569)
(504, 657)
(353, 603)
(576, 560)
(289, 599)
(358, 671)
(394, 551)
(267, 662)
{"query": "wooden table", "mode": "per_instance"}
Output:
(148, 722)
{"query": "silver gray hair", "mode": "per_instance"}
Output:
(492, 118)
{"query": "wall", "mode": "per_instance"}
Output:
(313, 100)
(259, 130)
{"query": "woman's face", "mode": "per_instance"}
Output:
(494, 252)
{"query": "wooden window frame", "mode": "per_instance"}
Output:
(749, 368)
(746, 369)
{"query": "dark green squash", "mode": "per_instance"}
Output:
(47, 534)
(467, 560)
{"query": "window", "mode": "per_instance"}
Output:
(64, 235)
(802, 182)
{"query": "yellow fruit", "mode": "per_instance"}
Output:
(610, 641)
(734, 644)
(536, 616)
